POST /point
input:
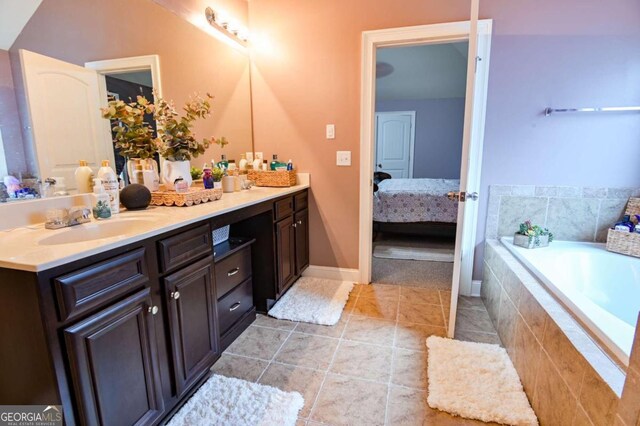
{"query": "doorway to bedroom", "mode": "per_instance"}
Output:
(419, 125)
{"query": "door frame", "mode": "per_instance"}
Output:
(123, 65)
(406, 36)
(412, 142)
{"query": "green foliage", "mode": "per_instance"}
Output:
(196, 173)
(534, 232)
(222, 142)
(217, 174)
(132, 136)
(177, 140)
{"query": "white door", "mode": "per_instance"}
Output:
(394, 143)
(64, 109)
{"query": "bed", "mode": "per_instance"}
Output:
(414, 205)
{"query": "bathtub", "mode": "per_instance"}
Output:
(602, 289)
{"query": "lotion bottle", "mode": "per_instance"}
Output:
(84, 178)
(101, 201)
(243, 162)
(109, 180)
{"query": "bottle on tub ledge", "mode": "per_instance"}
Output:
(625, 224)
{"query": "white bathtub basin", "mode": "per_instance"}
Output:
(601, 288)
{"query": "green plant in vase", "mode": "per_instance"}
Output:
(177, 142)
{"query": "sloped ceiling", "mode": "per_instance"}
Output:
(430, 71)
(14, 15)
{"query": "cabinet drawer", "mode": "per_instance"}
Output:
(283, 208)
(301, 201)
(185, 247)
(232, 270)
(89, 287)
(234, 305)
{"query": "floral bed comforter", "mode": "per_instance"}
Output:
(415, 200)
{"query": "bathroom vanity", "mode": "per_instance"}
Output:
(123, 329)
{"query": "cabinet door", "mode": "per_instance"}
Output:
(285, 253)
(114, 364)
(302, 240)
(191, 306)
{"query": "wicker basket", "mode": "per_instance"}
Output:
(626, 242)
(278, 178)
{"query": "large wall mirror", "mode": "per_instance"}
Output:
(67, 56)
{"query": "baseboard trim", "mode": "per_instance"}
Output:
(332, 273)
(475, 288)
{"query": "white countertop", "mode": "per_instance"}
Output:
(23, 248)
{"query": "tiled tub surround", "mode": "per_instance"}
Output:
(568, 378)
(572, 213)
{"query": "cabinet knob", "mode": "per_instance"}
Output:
(153, 310)
(175, 295)
(233, 272)
(293, 225)
(299, 222)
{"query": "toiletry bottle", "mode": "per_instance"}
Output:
(265, 166)
(274, 162)
(207, 177)
(150, 178)
(84, 178)
(625, 225)
(636, 229)
(181, 185)
(223, 163)
(110, 183)
(232, 165)
(243, 162)
(101, 201)
(257, 164)
(290, 165)
(138, 175)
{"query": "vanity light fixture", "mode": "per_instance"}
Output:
(231, 29)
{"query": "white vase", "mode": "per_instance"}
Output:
(172, 170)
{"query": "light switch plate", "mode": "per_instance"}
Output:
(343, 158)
(331, 131)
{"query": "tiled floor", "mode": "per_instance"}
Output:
(369, 369)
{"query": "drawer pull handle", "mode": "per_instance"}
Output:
(293, 225)
(299, 222)
(175, 295)
(234, 307)
(153, 310)
(233, 272)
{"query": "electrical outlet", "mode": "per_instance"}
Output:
(331, 131)
(343, 158)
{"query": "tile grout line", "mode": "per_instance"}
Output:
(324, 379)
(393, 356)
(277, 352)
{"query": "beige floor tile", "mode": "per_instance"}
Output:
(409, 368)
(363, 361)
(414, 336)
(474, 320)
(239, 367)
(421, 314)
(267, 321)
(445, 297)
(419, 295)
(307, 350)
(380, 291)
(324, 330)
(370, 330)
(258, 342)
(473, 336)
(376, 308)
(295, 379)
(345, 400)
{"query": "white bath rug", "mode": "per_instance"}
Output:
(476, 381)
(314, 300)
(227, 401)
(432, 254)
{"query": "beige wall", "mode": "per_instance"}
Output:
(191, 61)
(306, 74)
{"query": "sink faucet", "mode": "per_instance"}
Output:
(61, 218)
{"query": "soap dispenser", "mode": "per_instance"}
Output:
(101, 201)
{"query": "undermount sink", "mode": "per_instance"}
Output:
(96, 231)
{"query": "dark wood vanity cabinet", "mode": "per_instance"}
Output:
(191, 308)
(126, 336)
(114, 365)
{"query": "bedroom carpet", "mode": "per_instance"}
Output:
(476, 381)
(228, 401)
(433, 275)
(313, 300)
(384, 251)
